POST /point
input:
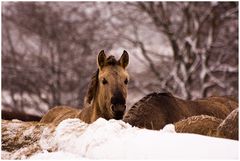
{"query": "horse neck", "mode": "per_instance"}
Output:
(87, 113)
(92, 112)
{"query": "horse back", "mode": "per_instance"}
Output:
(217, 106)
(229, 101)
(156, 110)
(59, 113)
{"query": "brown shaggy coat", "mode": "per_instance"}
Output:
(201, 124)
(229, 127)
(158, 109)
(210, 126)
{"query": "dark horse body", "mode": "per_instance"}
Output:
(158, 109)
(106, 96)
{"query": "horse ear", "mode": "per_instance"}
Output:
(124, 60)
(92, 89)
(101, 59)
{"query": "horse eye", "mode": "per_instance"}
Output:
(126, 81)
(104, 81)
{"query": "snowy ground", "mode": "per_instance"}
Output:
(118, 140)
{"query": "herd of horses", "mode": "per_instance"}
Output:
(107, 94)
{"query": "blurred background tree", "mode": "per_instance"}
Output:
(49, 49)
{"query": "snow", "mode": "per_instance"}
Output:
(56, 155)
(114, 139)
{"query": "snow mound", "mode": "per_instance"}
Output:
(118, 140)
(59, 155)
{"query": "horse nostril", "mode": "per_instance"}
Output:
(112, 108)
(118, 108)
(124, 107)
(118, 111)
(118, 101)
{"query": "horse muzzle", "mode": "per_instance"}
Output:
(118, 111)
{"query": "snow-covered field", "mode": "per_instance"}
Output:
(113, 139)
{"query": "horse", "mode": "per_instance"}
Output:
(229, 127)
(105, 97)
(210, 126)
(200, 124)
(156, 110)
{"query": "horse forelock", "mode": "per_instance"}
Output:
(92, 88)
(111, 61)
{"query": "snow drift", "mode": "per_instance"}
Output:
(74, 139)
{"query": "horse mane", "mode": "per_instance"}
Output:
(93, 85)
(148, 98)
(92, 88)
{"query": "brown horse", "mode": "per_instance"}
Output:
(106, 96)
(210, 126)
(229, 127)
(156, 110)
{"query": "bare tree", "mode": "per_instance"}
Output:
(49, 52)
(203, 42)
(49, 49)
